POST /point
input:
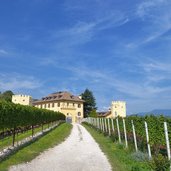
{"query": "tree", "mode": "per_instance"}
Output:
(90, 102)
(93, 113)
(6, 96)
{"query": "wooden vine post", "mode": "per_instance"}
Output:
(119, 134)
(134, 134)
(147, 138)
(126, 141)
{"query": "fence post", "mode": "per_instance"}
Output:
(101, 124)
(119, 135)
(147, 137)
(105, 125)
(135, 139)
(126, 141)
(98, 123)
(113, 128)
(167, 140)
(109, 126)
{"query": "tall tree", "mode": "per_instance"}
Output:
(7, 95)
(90, 102)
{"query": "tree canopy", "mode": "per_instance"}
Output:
(90, 102)
(6, 96)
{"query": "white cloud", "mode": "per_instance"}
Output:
(145, 7)
(106, 79)
(17, 82)
(154, 65)
(155, 16)
(84, 31)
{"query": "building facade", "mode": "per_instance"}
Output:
(117, 109)
(22, 99)
(64, 102)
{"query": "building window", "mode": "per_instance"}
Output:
(49, 105)
(73, 104)
(45, 105)
(23, 100)
(52, 104)
(79, 105)
(41, 106)
(67, 104)
(79, 113)
(58, 104)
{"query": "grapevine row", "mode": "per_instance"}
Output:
(13, 116)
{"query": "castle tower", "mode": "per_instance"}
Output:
(118, 108)
(22, 99)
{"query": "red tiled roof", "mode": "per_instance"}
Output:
(58, 96)
(104, 114)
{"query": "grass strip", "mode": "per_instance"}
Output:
(34, 149)
(8, 140)
(119, 158)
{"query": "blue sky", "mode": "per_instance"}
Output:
(121, 50)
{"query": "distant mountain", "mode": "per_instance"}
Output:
(165, 112)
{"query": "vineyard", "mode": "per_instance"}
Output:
(149, 134)
(15, 119)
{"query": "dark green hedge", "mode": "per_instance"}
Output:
(16, 115)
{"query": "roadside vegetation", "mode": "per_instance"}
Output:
(15, 118)
(32, 150)
(121, 159)
(7, 141)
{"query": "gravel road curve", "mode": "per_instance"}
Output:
(79, 152)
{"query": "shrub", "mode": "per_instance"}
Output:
(139, 156)
(159, 163)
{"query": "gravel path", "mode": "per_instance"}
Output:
(79, 152)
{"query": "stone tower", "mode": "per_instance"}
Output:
(118, 108)
(22, 99)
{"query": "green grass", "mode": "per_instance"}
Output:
(119, 158)
(8, 140)
(34, 149)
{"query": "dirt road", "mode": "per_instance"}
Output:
(79, 152)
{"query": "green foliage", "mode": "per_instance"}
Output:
(156, 138)
(155, 128)
(140, 156)
(6, 96)
(118, 156)
(93, 114)
(16, 115)
(90, 102)
(159, 163)
(34, 149)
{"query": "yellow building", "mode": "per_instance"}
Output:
(22, 99)
(118, 108)
(64, 102)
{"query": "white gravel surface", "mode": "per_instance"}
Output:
(79, 152)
